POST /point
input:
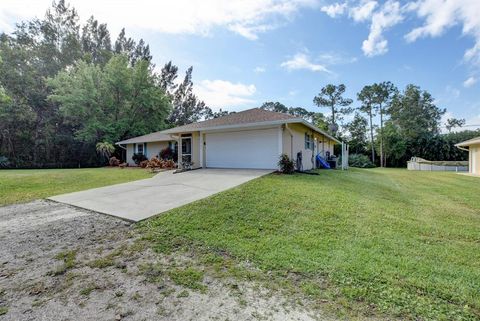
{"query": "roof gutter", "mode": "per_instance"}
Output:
(462, 148)
(203, 129)
(306, 123)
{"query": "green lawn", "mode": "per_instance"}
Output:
(28, 184)
(383, 242)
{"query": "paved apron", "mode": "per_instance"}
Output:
(138, 200)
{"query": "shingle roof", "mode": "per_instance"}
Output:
(153, 137)
(250, 116)
(473, 141)
(253, 116)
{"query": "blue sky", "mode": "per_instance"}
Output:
(247, 52)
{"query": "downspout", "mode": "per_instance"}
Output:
(291, 140)
(125, 149)
(469, 158)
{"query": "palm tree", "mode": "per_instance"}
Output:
(105, 149)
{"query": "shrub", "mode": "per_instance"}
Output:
(4, 162)
(168, 153)
(170, 164)
(138, 158)
(360, 160)
(154, 163)
(114, 161)
(143, 164)
(287, 166)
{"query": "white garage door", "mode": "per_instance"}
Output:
(243, 149)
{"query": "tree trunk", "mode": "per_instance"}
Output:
(333, 116)
(371, 137)
(382, 159)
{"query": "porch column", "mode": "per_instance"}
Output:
(202, 165)
(178, 139)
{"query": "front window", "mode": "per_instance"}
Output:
(173, 145)
(140, 149)
(308, 141)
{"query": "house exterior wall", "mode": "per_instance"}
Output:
(196, 149)
(130, 152)
(153, 149)
(294, 142)
(287, 143)
(474, 159)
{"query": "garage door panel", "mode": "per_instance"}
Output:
(243, 149)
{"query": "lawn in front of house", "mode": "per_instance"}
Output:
(387, 242)
(29, 184)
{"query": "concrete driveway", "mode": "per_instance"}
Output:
(138, 200)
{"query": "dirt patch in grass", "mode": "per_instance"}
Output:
(59, 263)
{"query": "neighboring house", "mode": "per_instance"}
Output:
(473, 148)
(253, 138)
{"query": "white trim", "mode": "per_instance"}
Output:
(201, 150)
(470, 142)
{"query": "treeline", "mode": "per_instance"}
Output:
(389, 126)
(65, 87)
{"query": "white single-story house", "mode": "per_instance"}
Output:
(473, 148)
(253, 138)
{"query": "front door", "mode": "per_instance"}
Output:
(187, 149)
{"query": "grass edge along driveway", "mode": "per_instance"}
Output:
(23, 185)
(386, 242)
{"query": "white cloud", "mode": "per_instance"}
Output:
(381, 18)
(302, 61)
(436, 15)
(246, 18)
(452, 92)
(469, 82)
(335, 58)
(224, 94)
(388, 16)
(250, 31)
(334, 10)
(473, 122)
(439, 15)
(363, 11)
(259, 70)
